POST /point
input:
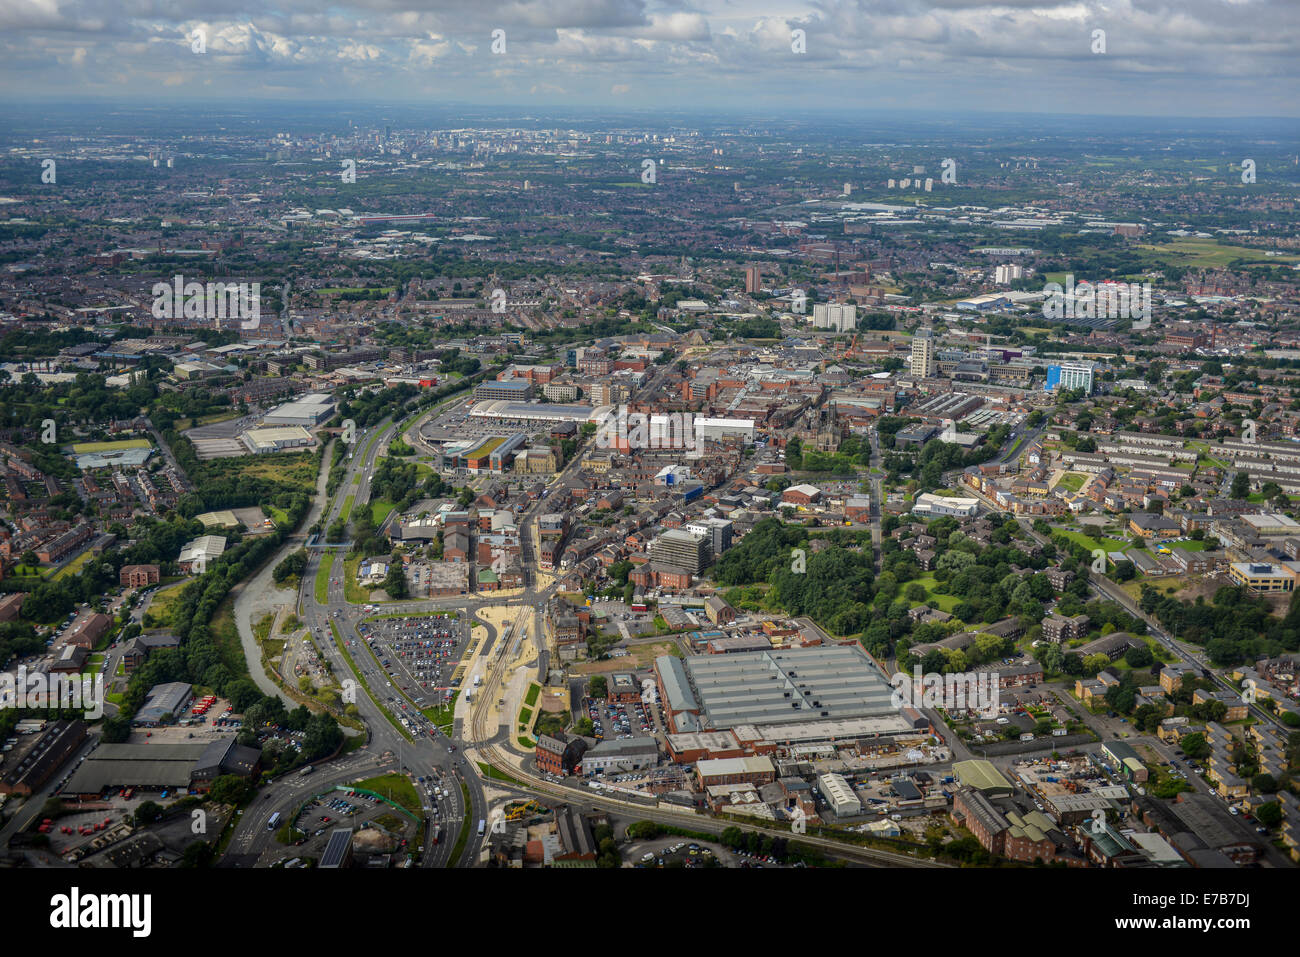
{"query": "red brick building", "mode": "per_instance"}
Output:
(622, 688)
(801, 495)
(138, 576)
(559, 754)
(1014, 837)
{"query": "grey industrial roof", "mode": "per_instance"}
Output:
(575, 833)
(640, 744)
(136, 765)
(227, 756)
(778, 687)
(164, 699)
(677, 687)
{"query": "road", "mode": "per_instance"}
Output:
(420, 755)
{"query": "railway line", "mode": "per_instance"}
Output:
(494, 757)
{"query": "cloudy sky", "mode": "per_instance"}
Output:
(1162, 57)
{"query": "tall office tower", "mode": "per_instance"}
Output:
(1071, 376)
(680, 549)
(837, 316)
(923, 366)
(1008, 273)
(753, 279)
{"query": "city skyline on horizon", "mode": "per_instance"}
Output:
(1202, 58)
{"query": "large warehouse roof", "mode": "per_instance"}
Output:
(306, 410)
(779, 687)
(136, 765)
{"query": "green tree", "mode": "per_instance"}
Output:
(1264, 783)
(1269, 814)
(1139, 657)
(147, 813)
(395, 581)
(1241, 485)
(1195, 746)
(229, 789)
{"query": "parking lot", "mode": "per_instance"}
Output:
(393, 830)
(675, 852)
(419, 655)
(619, 720)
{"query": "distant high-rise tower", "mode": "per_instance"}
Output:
(753, 279)
(923, 354)
(848, 189)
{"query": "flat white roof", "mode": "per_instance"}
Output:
(724, 423)
(751, 765)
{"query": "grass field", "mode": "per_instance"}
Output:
(226, 636)
(347, 508)
(217, 417)
(380, 510)
(946, 602)
(323, 578)
(1169, 586)
(160, 608)
(292, 468)
(443, 717)
(397, 788)
(353, 591)
(80, 447)
(75, 566)
(1204, 450)
(463, 837)
(1088, 542)
(1072, 481)
(1188, 546)
(1208, 254)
